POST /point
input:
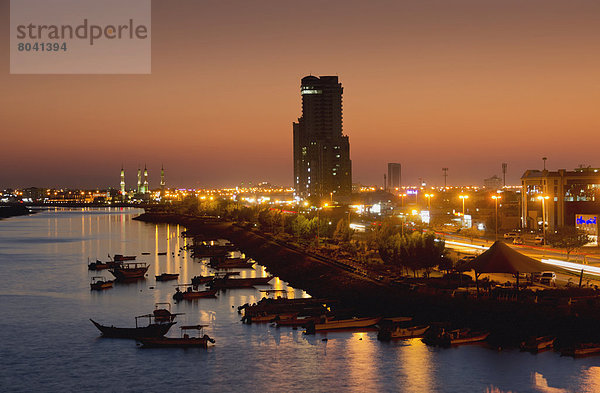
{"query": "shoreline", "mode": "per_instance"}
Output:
(8, 211)
(509, 323)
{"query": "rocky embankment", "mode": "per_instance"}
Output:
(509, 322)
(13, 211)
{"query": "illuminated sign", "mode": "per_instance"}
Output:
(581, 220)
(589, 224)
(411, 192)
(310, 90)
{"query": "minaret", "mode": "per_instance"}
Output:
(162, 180)
(146, 188)
(122, 181)
(139, 184)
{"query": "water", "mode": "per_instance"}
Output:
(47, 343)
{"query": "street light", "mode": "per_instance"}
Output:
(495, 198)
(463, 197)
(543, 198)
(402, 196)
(428, 196)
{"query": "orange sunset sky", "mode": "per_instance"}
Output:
(460, 84)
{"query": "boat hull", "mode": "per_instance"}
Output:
(194, 294)
(402, 333)
(167, 277)
(150, 331)
(98, 286)
(356, 323)
(167, 342)
(128, 274)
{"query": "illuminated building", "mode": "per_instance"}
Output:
(566, 196)
(122, 181)
(394, 176)
(162, 180)
(139, 181)
(322, 165)
(145, 188)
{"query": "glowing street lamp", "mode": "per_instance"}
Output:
(463, 197)
(495, 198)
(402, 196)
(428, 196)
(543, 198)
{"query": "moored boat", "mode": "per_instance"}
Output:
(185, 341)
(191, 294)
(536, 344)
(334, 324)
(445, 337)
(265, 318)
(226, 282)
(128, 271)
(296, 321)
(397, 332)
(119, 257)
(232, 263)
(167, 277)
(99, 283)
(152, 330)
(99, 265)
(585, 349)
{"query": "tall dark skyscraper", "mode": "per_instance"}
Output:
(321, 152)
(394, 176)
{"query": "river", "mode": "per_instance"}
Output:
(48, 344)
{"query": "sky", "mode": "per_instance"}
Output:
(463, 84)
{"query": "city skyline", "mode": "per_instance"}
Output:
(465, 86)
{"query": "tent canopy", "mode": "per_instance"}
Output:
(501, 258)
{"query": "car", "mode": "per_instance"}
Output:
(548, 278)
(455, 276)
(518, 240)
(466, 258)
(511, 235)
(539, 240)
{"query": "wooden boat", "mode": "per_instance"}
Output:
(536, 344)
(266, 318)
(185, 341)
(145, 253)
(99, 283)
(296, 321)
(128, 271)
(586, 349)
(455, 337)
(226, 282)
(458, 337)
(161, 253)
(99, 265)
(234, 263)
(191, 294)
(167, 277)
(398, 332)
(334, 324)
(152, 330)
(119, 257)
(199, 280)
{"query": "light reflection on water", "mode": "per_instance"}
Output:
(48, 344)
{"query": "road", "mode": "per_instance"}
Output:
(587, 261)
